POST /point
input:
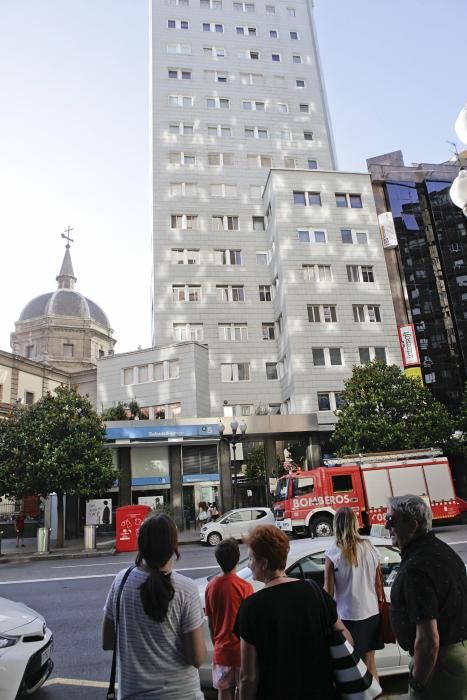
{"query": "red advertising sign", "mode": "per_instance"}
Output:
(408, 343)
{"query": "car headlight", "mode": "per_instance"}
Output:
(7, 641)
(203, 529)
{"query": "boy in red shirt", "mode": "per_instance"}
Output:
(224, 594)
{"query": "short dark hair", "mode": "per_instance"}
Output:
(270, 543)
(227, 554)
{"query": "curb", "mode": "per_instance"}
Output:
(72, 554)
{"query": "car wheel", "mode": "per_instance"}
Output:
(321, 526)
(214, 539)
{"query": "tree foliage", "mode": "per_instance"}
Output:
(256, 464)
(385, 410)
(125, 412)
(55, 445)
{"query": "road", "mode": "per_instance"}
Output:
(71, 594)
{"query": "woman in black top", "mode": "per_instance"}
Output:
(284, 651)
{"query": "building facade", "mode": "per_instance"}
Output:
(428, 266)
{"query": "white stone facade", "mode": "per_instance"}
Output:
(237, 90)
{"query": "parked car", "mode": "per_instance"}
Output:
(26, 646)
(306, 561)
(235, 523)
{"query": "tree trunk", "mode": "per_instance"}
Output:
(60, 522)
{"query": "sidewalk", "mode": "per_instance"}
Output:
(74, 548)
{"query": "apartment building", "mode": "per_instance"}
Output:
(237, 93)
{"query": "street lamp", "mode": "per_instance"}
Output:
(233, 441)
(458, 191)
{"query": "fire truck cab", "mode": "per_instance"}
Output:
(305, 501)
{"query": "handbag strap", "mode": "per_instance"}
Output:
(379, 586)
(111, 691)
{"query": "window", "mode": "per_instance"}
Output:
(370, 354)
(183, 189)
(223, 190)
(179, 3)
(158, 371)
(354, 237)
(294, 35)
(290, 12)
(304, 107)
(67, 350)
(184, 221)
(271, 370)
(188, 331)
(329, 401)
(286, 135)
(128, 376)
(257, 223)
(251, 79)
(327, 357)
(214, 51)
(246, 31)
(220, 159)
(306, 236)
(219, 130)
(307, 198)
(317, 273)
(225, 223)
(273, 34)
(322, 313)
(182, 158)
(262, 257)
(179, 74)
(254, 106)
(211, 4)
(230, 293)
(365, 313)
(255, 132)
(282, 107)
(244, 6)
(258, 161)
(178, 24)
(312, 164)
(143, 373)
(265, 292)
(276, 57)
(185, 256)
(233, 331)
(348, 200)
(181, 100)
(360, 273)
(217, 76)
(181, 129)
(235, 372)
(318, 357)
(308, 135)
(228, 257)
(213, 27)
(270, 10)
(185, 292)
(217, 103)
(362, 238)
(28, 398)
(268, 331)
(342, 483)
(300, 82)
(183, 49)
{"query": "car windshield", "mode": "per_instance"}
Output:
(280, 493)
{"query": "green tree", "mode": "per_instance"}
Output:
(385, 410)
(256, 464)
(55, 445)
(125, 412)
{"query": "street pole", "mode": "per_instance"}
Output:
(233, 440)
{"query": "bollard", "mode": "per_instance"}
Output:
(43, 540)
(89, 537)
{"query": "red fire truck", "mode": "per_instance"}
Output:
(305, 501)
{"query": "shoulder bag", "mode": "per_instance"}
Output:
(111, 695)
(384, 605)
(352, 679)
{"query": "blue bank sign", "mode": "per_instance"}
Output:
(162, 432)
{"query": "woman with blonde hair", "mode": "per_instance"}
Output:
(351, 567)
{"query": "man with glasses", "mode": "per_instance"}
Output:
(428, 603)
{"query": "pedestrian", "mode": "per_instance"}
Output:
(160, 638)
(19, 528)
(283, 643)
(203, 514)
(224, 594)
(428, 603)
(350, 569)
(214, 512)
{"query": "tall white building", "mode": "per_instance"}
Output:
(287, 287)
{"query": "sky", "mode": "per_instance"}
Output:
(75, 138)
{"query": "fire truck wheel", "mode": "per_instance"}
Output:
(214, 539)
(321, 526)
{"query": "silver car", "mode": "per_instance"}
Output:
(235, 523)
(306, 561)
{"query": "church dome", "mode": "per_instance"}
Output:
(64, 302)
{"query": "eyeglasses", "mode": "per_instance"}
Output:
(389, 520)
